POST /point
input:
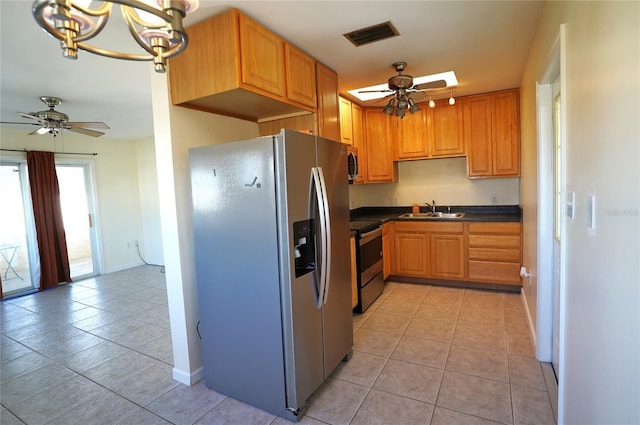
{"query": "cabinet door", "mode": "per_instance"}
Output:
(262, 57)
(477, 135)
(505, 134)
(412, 140)
(386, 250)
(301, 76)
(379, 150)
(346, 122)
(447, 129)
(358, 142)
(328, 105)
(411, 255)
(447, 256)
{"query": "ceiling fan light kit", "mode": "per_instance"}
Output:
(158, 29)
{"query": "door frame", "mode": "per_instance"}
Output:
(555, 65)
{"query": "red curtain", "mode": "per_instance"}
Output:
(45, 195)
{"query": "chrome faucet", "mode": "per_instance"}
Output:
(432, 206)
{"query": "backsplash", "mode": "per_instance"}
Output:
(443, 180)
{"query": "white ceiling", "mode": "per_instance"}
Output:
(484, 42)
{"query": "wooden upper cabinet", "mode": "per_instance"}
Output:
(412, 135)
(346, 125)
(492, 134)
(262, 57)
(301, 76)
(358, 140)
(235, 66)
(506, 134)
(431, 132)
(446, 130)
(379, 139)
(328, 104)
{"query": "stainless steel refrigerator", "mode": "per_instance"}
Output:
(271, 239)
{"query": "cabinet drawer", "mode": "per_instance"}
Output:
(431, 227)
(510, 228)
(493, 271)
(495, 254)
(494, 241)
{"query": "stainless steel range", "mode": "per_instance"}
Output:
(369, 262)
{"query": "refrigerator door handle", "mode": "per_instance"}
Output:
(320, 196)
(327, 236)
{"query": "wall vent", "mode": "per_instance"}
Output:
(372, 34)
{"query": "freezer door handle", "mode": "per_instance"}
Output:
(325, 234)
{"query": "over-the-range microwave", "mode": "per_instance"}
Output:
(352, 163)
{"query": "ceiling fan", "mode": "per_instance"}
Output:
(401, 87)
(52, 121)
(405, 82)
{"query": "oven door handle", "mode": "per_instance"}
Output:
(369, 236)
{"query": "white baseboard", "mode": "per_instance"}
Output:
(188, 378)
(532, 328)
(123, 267)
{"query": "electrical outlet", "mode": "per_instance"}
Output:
(494, 199)
(135, 243)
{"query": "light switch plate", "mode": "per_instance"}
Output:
(571, 201)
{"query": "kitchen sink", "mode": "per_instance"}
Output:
(432, 215)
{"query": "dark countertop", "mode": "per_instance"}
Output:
(489, 213)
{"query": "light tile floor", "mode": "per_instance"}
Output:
(98, 351)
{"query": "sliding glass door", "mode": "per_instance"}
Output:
(19, 259)
(78, 216)
(19, 268)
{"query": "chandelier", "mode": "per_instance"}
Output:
(157, 29)
(399, 103)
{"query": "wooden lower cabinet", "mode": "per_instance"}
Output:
(483, 252)
(411, 255)
(447, 256)
(494, 252)
(430, 249)
(387, 230)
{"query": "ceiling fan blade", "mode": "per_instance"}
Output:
(88, 124)
(376, 91)
(86, 132)
(431, 85)
(40, 131)
(33, 117)
(14, 122)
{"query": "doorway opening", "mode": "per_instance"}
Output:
(19, 257)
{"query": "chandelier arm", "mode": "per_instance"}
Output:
(128, 12)
(157, 47)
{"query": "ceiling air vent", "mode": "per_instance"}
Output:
(372, 34)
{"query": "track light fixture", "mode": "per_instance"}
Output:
(156, 28)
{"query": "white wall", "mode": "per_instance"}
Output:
(443, 180)
(176, 130)
(600, 351)
(151, 246)
(118, 196)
